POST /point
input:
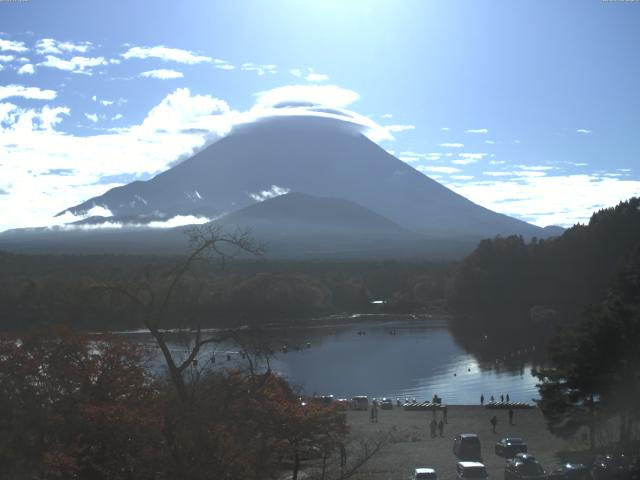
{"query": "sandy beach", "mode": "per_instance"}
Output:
(412, 446)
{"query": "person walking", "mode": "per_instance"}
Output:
(494, 423)
(441, 428)
(482, 399)
(511, 416)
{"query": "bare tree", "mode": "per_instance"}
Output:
(154, 295)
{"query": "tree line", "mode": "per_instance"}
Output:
(50, 289)
(544, 280)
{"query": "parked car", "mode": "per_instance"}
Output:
(571, 471)
(524, 466)
(507, 447)
(386, 404)
(610, 467)
(466, 446)
(360, 403)
(471, 471)
(424, 473)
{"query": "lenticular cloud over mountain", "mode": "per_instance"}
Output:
(305, 149)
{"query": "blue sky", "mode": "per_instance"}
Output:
(528, 108)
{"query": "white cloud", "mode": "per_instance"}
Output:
(316, 77)
(51, 46)
(34, 93)
(515, 173)
(166, 54)
(14, 119)
(477, 130)
(222, 64)
(399, 128)
(26, 69)
(327, 95)
(83, 65)
(33, 151)
(549, 200)
(12, 46)
(274, 191)
(583, 131)
(176, 221)
(326, 101)
(437, 169)
(162, 74)
(462, 177)
(535, 167)
(409, 156)
(445, 129)
(386, 115)
(452, 145)
(468, 158)
(7, 58)
(259, 69)
(104, 102)
(180, 111)
(117, 116)
(92, 116)
(490, 142)
(296, 72)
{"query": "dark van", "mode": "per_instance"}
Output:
(466, 446)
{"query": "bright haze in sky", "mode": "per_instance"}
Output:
(528, 108)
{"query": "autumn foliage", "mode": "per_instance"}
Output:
(84, 407)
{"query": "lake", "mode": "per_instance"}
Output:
(396, 358)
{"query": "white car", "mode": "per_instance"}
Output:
(471, 471)
(424, 474)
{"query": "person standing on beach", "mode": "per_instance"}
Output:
(482, 399)
(502, 398)
(507, 398)
(494, 422)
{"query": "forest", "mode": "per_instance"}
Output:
(55, 289)
(507, 283)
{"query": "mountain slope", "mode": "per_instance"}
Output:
(316, 156)
(299, 213)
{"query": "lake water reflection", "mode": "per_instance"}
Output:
(421, 359)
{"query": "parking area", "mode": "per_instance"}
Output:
(413, 447)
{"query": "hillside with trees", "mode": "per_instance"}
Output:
(508, 283)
